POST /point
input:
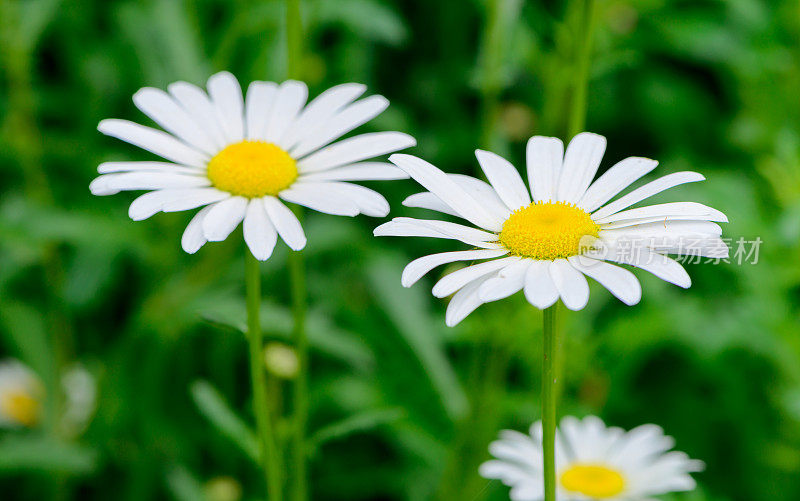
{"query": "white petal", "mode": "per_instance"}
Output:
(109, 184)
(706, 246)
(464, 302)
(149, 204)
(508, 281)
(167, 113)
(354, 149)
(258, 105)
(285, 222)
(544, 156)
(614, 180)
(342, 123)
(620, 282)
(111, 167)
(647, 191)
(505, 179)
(663, 233)
(197, 104)
(193, 237)
(639, 446)
(259, 233)
(226, 96)
(448, 190)
(417, 268)
(175, 199)
(686, 209)
(309, 195)
(570, 283)
(487, 196)
(406, 226)
(156, 141)
(223, 218)
(659, 265)
(581, 161)
(289, 101)
(458, 279)
(363, 171)
(368, 202)
(194, 197)
(427, 200)
(320, 110)
(540, 291)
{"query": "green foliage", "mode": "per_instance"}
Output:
(402, 407)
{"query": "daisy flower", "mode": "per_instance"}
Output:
(22, 395)
(240, 158)
(593, 462)
(547, 240)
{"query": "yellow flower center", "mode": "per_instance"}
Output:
(21, 407)
(252, 169)
(594, 481)
(547, 230)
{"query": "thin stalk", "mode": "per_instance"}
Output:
(297, 273)
(294, 39)
(577, 112)
(549, 397)
(491, 68)
(300, 393)
(270, 459)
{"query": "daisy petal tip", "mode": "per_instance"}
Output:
(191, 246)
(104, 125)
(299, 245)
(591, 135)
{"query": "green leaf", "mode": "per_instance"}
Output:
(277, 321)
(423, 332)
(34, 17)
(25, 329)
(354, 424)
(32, 452)
(184, 486)
(214, 407)
(366, 18)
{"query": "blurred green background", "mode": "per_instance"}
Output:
(402, 407)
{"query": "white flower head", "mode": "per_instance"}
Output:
(546, 240)
(22, 397)
(80, 392)
(593, 462)
(240, 157)
(21, 394)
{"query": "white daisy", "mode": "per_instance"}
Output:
(546, 241)
(22, 396)
(593, 462)
(238, 157)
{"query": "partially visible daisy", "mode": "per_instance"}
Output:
(22, 396)
(546, 240)
(593, 462)
(240, 158)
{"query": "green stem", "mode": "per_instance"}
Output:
(586, 24)
(270, 459)
(294, 39)
(294, 48)
(300, 393)
(491, 68)
(549, 397)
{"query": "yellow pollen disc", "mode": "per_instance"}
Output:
(252, 169)
(594, 481)
(547, 230)
(20, 407)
